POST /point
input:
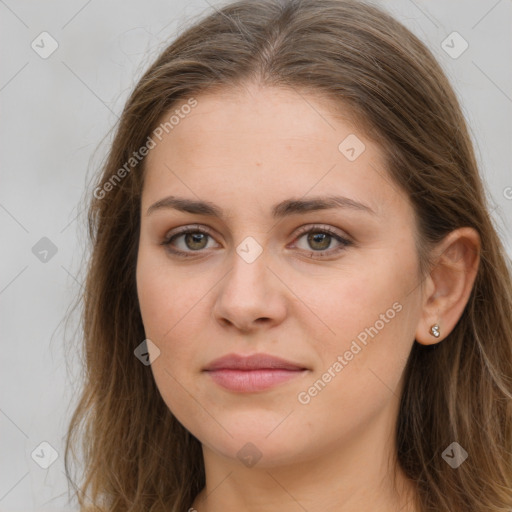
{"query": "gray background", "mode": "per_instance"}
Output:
(56, 112)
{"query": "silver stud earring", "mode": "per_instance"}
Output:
(434, 330)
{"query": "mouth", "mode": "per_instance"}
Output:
(257, 372)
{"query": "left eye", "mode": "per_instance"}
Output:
(319, 240)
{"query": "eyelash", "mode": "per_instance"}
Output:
(302, 231)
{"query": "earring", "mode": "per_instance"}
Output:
(434, 330)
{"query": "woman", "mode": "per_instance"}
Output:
(296, 297)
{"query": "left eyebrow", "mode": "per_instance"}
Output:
(280, 210)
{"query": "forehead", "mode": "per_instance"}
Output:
(266, 142)
(262, 119)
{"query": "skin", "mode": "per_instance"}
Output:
(245, 151)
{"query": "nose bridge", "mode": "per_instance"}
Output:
(249, 265)
(249, 291)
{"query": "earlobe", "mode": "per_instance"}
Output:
(430, 333)
(449, 285)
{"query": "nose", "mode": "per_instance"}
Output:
(250, 296)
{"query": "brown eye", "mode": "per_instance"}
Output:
(187, 241)
(319, 240)
(195, 241)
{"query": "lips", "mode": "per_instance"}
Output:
(252, 362)
(255, 373)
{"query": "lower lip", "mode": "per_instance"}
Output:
(246, 381)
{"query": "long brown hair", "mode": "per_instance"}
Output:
(136, 456)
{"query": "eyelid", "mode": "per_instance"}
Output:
(321, 227)
(185, 229)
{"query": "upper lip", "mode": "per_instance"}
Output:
(252, 362)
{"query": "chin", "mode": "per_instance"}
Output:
(261, 446)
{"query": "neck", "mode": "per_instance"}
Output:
(357, 474)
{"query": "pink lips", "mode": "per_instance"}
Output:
(252, 373)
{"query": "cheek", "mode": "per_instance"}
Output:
(174, 308)
(372, 318)
(165, 297)
(168, 305)
(350, 307)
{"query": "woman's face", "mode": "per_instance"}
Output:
(260, 274)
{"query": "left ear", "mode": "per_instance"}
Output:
(449, 284)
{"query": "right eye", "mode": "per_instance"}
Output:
(194, 240)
